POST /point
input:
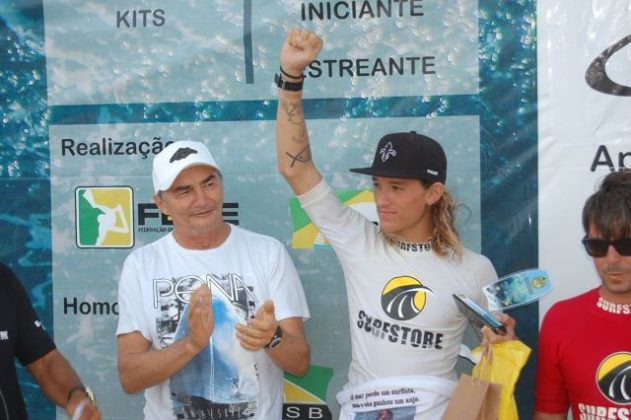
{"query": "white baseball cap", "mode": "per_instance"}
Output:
(176, 157)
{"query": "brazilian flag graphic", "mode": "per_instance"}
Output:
(305, 397)
(306, 235)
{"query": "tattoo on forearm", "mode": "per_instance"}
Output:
(303, 156)
(303, 135)
(295, 117)
(295, 114)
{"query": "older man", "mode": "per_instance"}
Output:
(210, 314)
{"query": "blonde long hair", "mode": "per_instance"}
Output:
(445, 238)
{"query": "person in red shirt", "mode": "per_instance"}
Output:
(585, 342)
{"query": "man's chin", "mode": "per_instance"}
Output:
(390, 233)
(385, 230)
(204, 224)
(389, 228)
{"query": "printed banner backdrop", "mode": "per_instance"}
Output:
(584, 133)
(584, 129)
(93, 90)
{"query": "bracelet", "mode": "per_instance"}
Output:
(276, 339)
(286, 85)
(73, 390)
(284, 73)
(80, 387)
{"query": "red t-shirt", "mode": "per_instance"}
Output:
(584, 359)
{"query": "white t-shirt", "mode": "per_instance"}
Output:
(224, 379)
(403, 318)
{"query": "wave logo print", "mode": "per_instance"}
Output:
(404, 297)
(596, 75)
(104, 217)
(614, 378)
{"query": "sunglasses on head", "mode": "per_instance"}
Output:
(599, 247)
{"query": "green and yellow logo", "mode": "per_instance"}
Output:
(305, 397)
(307, 236)
(104, 217)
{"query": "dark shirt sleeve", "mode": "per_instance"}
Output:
(32, 340)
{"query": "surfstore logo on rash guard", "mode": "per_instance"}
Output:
(402, 299)
(595, 412)
(614, 308)
(614, 378)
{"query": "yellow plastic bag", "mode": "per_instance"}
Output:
(507, 360)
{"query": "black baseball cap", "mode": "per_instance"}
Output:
(408, 155)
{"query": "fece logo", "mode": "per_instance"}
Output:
(104, 217)
(150, 219)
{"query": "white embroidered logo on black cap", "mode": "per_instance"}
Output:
(387, 151)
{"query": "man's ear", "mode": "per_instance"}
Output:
(157, 198)
(434, 193)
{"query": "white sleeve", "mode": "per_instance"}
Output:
(285, 288)
(346, 230)
(130, 301)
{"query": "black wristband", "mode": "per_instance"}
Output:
(284, 73)
(276, 339)
(286, 85)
